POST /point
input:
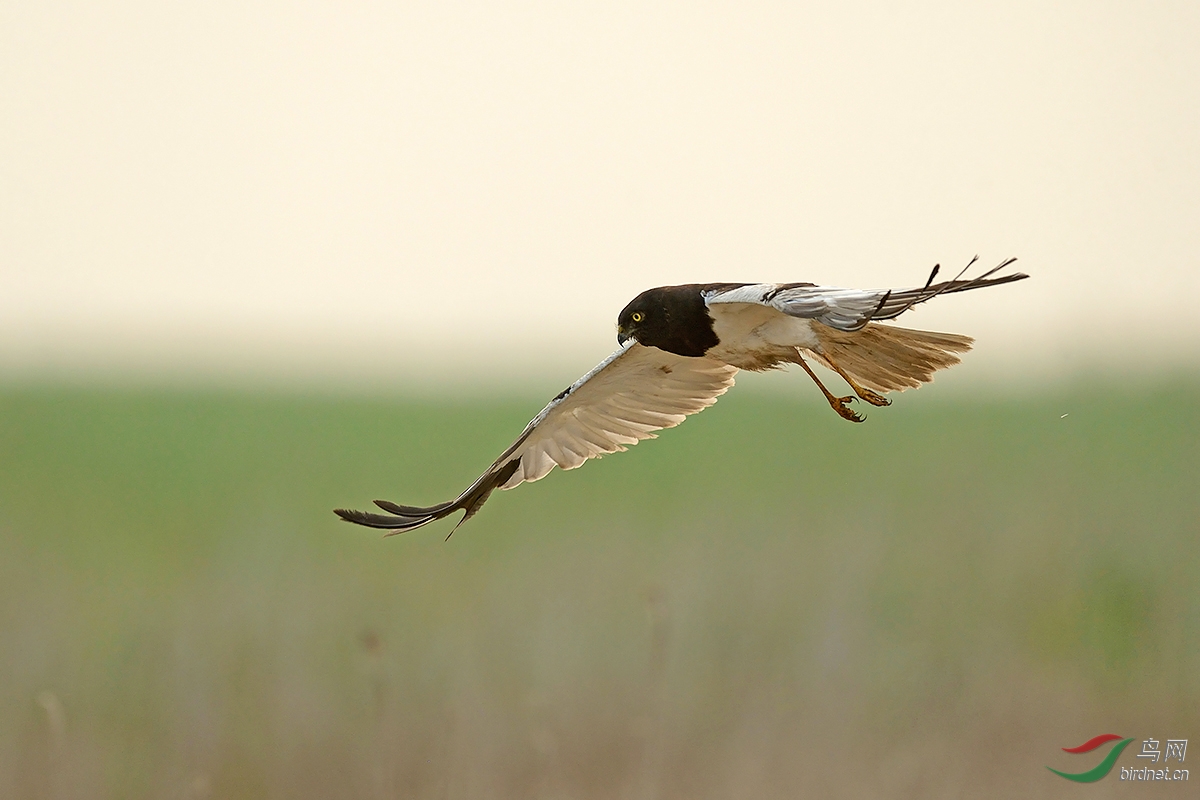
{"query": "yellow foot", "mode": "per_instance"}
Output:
(838, 404)
(871, 397)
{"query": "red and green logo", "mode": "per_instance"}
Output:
(1101, 769)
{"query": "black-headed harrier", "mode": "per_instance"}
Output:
(681, 347)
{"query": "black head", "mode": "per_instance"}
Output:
(671, 318)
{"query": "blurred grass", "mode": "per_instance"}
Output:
(766, 602)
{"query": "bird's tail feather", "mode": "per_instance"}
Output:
(886, 358)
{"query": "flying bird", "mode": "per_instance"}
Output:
(680, 347)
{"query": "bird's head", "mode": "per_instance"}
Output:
(671, 318)
(645, 319)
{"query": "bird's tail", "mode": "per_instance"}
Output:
(886, 358)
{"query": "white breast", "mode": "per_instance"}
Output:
(756, 337)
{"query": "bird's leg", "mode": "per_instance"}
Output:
(838, 404)
(866, 394)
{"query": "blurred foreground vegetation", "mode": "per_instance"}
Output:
(766, 602)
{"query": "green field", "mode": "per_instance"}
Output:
(765, 602)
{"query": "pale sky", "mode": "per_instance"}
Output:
(314, 190)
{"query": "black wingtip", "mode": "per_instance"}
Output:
(408, 518)
(362, 517)
(933, 274)
(413, 511)
(395, 524)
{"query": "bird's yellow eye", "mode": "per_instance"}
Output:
(638, 316)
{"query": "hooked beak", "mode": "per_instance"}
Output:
(622, 336)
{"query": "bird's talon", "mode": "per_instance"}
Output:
(840, 406)
(874, 398)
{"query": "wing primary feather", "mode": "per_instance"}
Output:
(932, 275)
(920, 297)
(931, 290)
(398, 524)
(412, 511)
(407, 518)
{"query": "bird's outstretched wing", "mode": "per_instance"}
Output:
(632, 393)
(852, 309)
